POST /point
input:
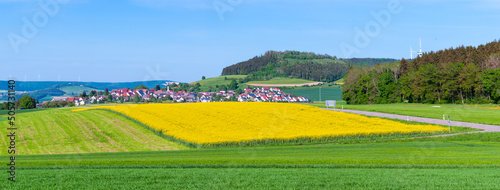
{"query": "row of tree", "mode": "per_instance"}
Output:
(461, 75)
(25, 102)
(369, 61)
(58, 104)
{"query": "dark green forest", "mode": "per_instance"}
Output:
(370, 61)
(455, 75)
(305, 65)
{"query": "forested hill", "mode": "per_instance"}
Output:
(304, 65)
(370, 61)
(456, 75)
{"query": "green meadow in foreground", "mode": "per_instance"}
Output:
(472, 150)
(258, 178)
(116, 153)
(453, 162)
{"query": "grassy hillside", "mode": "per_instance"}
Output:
(59, 131)
(76, 90)
(340, 81)
(282, 80)
(69, 91)
(220, 80)
(455, 162)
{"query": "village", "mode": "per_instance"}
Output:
(256, 94)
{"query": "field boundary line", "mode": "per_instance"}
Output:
(288, 166)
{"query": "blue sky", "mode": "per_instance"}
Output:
(135, 40)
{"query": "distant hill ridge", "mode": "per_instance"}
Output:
(305, 65)
(39, 85)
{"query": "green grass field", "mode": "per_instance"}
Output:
(340, 81)
(5, 112)
(454, 162)
(70, 91)
(313, 93)
(59, 131)
(466, 113)
(280, 80)
(258, 178)
(76, 90)
(220, 80)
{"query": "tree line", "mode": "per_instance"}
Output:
(25, 102)
(455, 75)
(370, 61)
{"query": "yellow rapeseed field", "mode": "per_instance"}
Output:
(493, 108)
(229, 122)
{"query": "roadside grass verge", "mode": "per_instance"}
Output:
(464, 113)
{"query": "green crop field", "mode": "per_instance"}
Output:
(5, 112)
(58, 131)
(340, 81)
(217, 81)
(258, 178)
(466, 113)
(313, 93)
(279, 80)
(453, 162)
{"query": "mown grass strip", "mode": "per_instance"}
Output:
(388, 166)
(60, 131)
(481, 150)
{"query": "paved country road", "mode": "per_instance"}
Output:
(486, 128)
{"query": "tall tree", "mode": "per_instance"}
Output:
(233, 85)
(26, 102)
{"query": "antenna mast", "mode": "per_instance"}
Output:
(420, 53)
